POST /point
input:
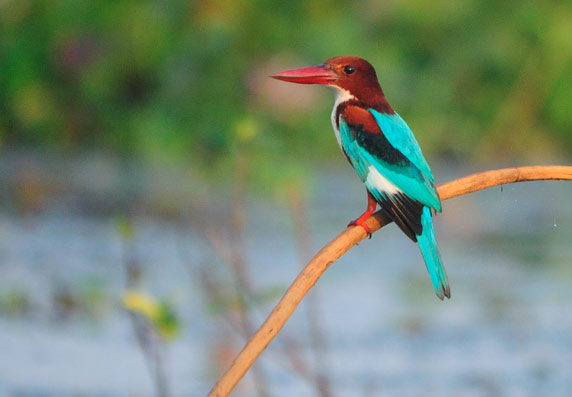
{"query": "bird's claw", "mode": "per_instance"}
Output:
(362, 224)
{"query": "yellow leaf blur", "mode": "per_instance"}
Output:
(142, 304)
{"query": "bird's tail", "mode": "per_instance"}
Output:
(430, 253)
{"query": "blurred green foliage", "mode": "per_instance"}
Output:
(14, 301)
(186, 80)
(160, 314)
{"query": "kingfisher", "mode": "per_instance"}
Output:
(384, 153)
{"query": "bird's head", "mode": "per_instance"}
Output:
(347, 75)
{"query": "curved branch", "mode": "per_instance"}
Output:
(347, 239)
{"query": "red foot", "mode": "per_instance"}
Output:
(361, 222)
(371, 205)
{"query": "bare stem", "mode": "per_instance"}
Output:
(347, 239)
(145, 333)
(299, 211)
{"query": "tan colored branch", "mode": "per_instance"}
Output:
(347, 239)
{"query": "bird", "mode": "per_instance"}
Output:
(381, 148)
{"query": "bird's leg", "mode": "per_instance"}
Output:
(371, 205)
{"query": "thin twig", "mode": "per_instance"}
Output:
(238, 265)
(145, 333)
(216, 292)
(347, 239)
(317, 338)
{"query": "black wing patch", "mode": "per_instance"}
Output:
(405, 212)
(380, 147)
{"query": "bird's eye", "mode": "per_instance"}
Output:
(349, 69)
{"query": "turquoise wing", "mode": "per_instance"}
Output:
(411, 176)
(391, 165)
(400, 136)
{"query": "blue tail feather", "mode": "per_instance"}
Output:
(430, 252)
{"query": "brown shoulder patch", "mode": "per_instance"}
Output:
(358, 116)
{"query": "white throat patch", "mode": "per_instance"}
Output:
(341, 96)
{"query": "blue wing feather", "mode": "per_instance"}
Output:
(409, 181)
(416, 181)
(400, 136)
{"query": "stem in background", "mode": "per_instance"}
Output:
(347, 239)
(317, 338)
(214, 236)
(238, 262)
(145, 334)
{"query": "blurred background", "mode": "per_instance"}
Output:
(158, 193)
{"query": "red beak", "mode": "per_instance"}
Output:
(318, 74)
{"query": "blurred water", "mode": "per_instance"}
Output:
(506, 331)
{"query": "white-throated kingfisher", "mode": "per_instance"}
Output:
(383, 151)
